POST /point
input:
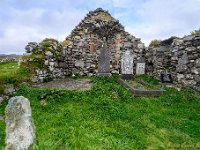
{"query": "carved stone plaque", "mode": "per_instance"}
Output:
(127, 63)
(140, 68)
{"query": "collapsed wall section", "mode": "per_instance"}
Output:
(178, 56)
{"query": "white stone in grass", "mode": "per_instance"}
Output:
(20, 131)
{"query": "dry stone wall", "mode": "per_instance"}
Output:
(178, 56)
(45, 59)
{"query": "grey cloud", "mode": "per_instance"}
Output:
(34, 25)
(162, 19)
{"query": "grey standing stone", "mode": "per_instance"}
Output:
(19, 125)
(182, 63)
(104, 61)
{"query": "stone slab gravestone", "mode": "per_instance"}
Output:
(127, 65)
(104, 61)
(140, 66)
(182, 63)
(166, 78)
(20, 130)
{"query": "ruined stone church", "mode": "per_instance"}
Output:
(98, 44)
(86, 40)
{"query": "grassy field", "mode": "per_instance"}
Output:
(109, 117)
(10, 73)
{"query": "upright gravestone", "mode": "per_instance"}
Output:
(19, 124)
(140, 66)
(182, 63)
(104, 61)
(127, 65)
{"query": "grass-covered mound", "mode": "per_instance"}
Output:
(109, 117)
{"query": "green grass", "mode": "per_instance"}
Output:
(109, 117)
(141, 86)
(148, 79)
(10, 73)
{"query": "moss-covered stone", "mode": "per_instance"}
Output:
(53, 46)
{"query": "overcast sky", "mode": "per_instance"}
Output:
(22, 21)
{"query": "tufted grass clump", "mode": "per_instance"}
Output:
(109, 117)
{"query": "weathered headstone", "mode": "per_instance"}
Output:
(127, 65)
(166, 78)
(182, 63)
(19, 125)
(140, 66)
(104, 61)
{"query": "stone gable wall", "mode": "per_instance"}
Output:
(85, 42)
(81, 50)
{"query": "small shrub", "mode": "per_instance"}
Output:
(53, 46)
(196, 32)
(154, 43)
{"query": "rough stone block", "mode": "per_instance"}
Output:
(20, 132)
